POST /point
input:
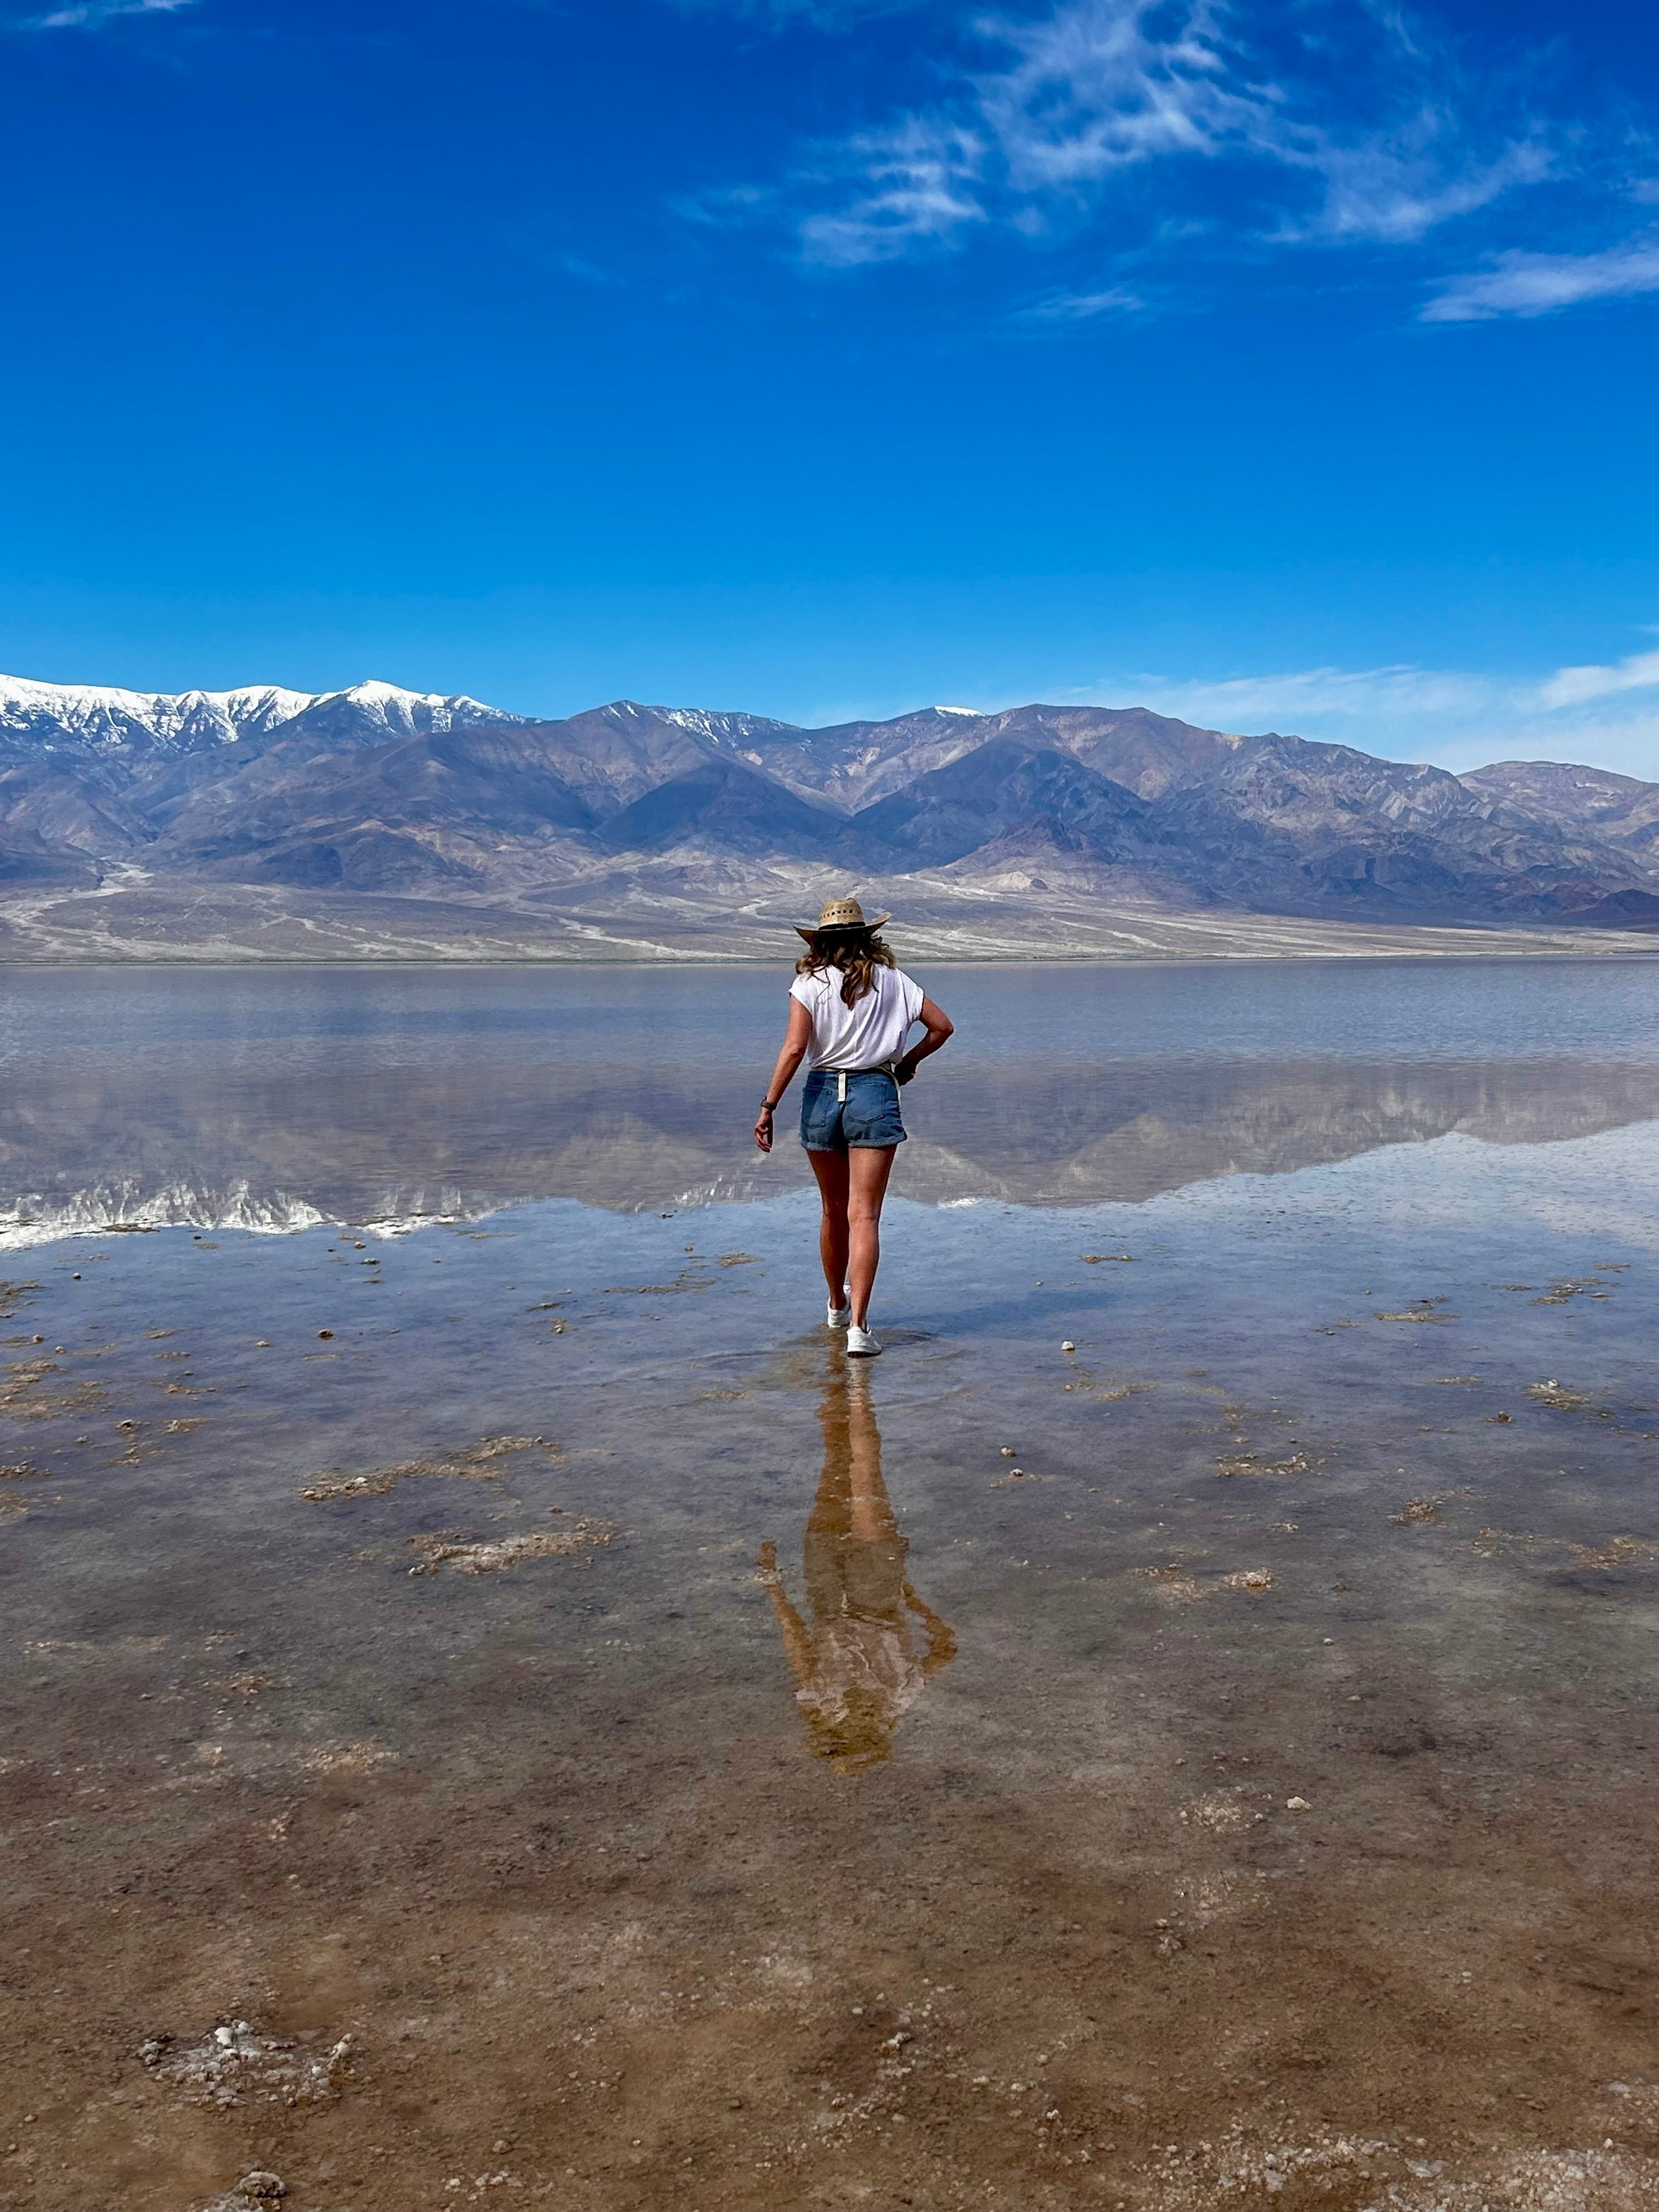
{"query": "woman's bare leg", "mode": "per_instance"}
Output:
(830, 1168)
(868, 1169)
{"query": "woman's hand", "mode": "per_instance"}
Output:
(796, 1038)
(939, 1026)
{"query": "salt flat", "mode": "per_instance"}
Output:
(433, 1771)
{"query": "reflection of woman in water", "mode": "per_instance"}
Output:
(850, 1012)
(856, 1669)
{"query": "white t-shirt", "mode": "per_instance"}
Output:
(866, 1034)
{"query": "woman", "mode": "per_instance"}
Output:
(852, 1010)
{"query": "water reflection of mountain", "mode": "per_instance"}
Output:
(78, 1151)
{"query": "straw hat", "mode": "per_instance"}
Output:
(840, 914)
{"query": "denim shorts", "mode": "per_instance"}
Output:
(867, 1115)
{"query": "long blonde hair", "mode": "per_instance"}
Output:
(856, 953)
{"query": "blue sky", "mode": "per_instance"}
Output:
(1280, 366)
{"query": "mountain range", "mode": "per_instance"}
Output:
(385, 795)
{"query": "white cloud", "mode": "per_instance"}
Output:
(1081, 307)
(1096, 89)
(724, 207)
(1099, 88)
(917, 183)
(819, 14)
(1397, 187)
(1323, 695)
(1456, 718)
(1573, 687)
(1537, 283)
(88, 14)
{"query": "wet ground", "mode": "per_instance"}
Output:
(506, 1712)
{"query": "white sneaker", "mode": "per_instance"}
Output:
(838, 1317)
(860, 1345)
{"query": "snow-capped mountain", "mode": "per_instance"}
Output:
(82, 717)
(378, 790)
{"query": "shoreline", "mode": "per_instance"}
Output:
(1498, 944)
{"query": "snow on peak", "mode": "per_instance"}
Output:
(413, 711)
(108, 714)
(105, 715)
(722, 728)
(972, 713)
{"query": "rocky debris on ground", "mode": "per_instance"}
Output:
(1179, 1585)
(348, 1759)
(1402, 2175)
(1224, 1812)
(1253, 1464)
(481, 1463)
(258, 2191)
(494, 1555)
(1084, 1380)
(235, 2064)
(1621, 1551)
(1419, 1512)
(1618, 1551)
(1549, 1392)
(24, 1393)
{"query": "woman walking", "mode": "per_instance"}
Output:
(851, 1010)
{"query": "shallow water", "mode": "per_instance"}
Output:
(277, 1097)
(1211, 1765)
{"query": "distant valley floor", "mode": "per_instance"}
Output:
(704, 914)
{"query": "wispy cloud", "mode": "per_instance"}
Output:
(820, 14)
(1339, 694)
(916, 184)
(1062, 307)
(1572, 687)
(726, 207)
(1397, 187)
(1458, 718)
(1520, 284)
(1101, 88)
(89, 15)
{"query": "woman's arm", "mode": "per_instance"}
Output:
(796, 1038)
(940, 1027)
